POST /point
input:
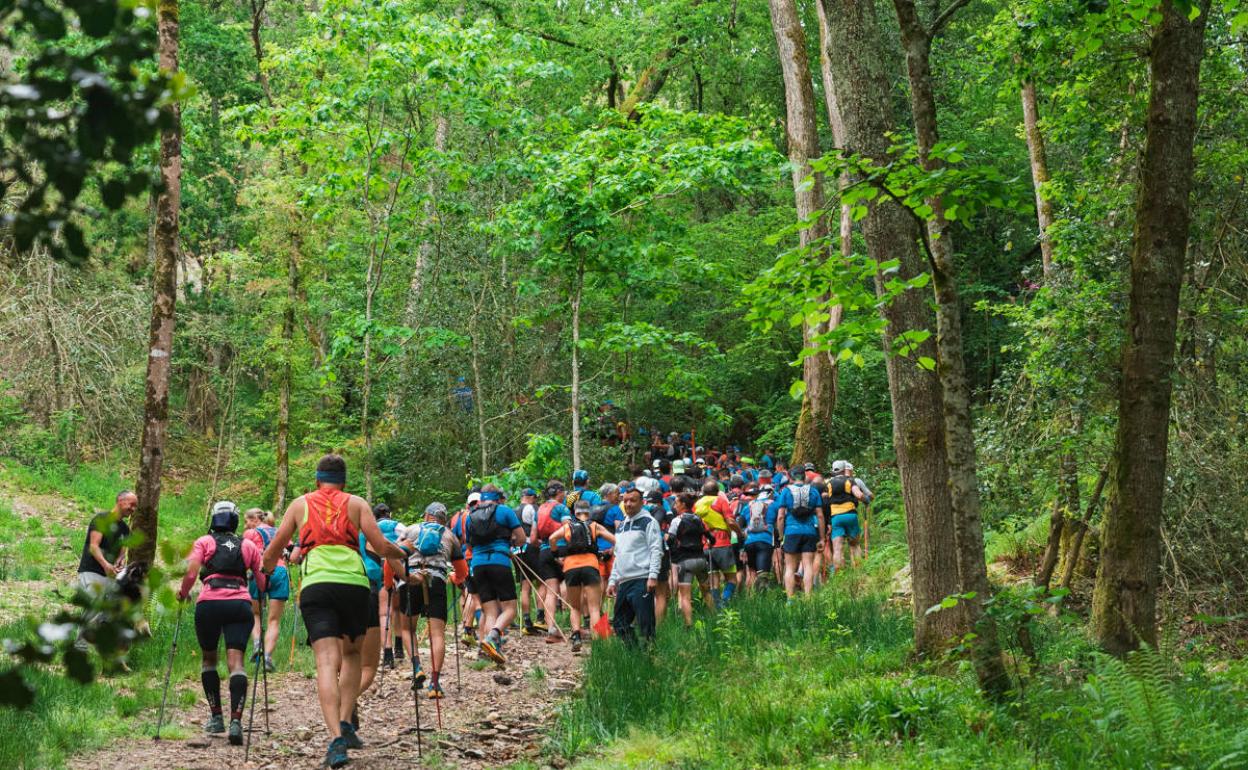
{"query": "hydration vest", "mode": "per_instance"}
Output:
(225, 568)
(841, 490)
(326, 521)
(690, 537)
(483, 526)
(802, 507)
(758, 518)
(580, 537)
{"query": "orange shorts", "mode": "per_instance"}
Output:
(604, 567)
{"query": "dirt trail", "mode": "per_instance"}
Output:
(495, 719)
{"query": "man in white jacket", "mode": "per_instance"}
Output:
(635, 574)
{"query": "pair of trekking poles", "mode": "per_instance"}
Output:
(262, 673)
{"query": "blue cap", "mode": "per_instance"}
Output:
(527, 491)
(580, 476)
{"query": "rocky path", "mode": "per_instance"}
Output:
(495, 719)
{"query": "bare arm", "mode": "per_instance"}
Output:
(96, 538)
(291, 521)
(558, 533)
(604, 533)
(517, 536)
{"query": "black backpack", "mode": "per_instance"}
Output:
(690, 536)
(226, 568)
(802, 507)
(598, 513)
(483, 526)
(580, 537)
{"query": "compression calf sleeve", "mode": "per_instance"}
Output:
(238, 693)
(212, 687)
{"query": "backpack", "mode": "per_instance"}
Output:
(429, 540)
(581, 538)
(802, 508)
(758, 518)
(598, 513)
(690, 536)
(389, 529)
(266, 533)
(225, 568)
(483, 528)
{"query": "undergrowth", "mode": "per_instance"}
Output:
(831, 681)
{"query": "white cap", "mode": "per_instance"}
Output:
(475, 497)
(841, 465)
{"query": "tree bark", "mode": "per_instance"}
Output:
(1124, 606)
(576, 364)
(164, 300)
(862, 91)
(819, 399)
(1039, 175)
(288, 374)
(478, 401)
(951, 365)
(1081, 529)
(257, 21)
(424, 252)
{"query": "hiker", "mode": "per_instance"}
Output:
(634, 579)
(385, 601)
(608, 515)
(800, 524)
(550, 517)
(581, 572)
(103, 553)
(844, 492)
(471, 603)
(657, 507)
(716, 513)
(688, 538)
(526, 561)
(260, 534)
(221, 559)
(581, 490)
(493, 528)
(370, 650)
(433, 553)
(334, 599)
(760, 523)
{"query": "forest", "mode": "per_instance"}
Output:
(993, 253)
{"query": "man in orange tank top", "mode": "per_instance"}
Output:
(334, 599)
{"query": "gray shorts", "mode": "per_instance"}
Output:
(688, 569)
(95, 583)
(723, 559)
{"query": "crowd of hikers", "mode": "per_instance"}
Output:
(362, 581)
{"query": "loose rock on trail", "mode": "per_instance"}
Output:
(486, 724)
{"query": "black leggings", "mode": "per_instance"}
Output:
(230, 618)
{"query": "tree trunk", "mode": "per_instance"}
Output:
(257, 20)
(164, 299)
(951, 365)
(1124, 607)
(863, 95)
(474, 334)
(370, 289)
(288, 374)
(818, 375)
(424, 252)
(1039, 175)
(1081, 529)
(576, 364)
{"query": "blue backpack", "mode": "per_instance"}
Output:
(389, 529)
(429, 541)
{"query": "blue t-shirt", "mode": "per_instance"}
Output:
(497, 552)
(612, 522)
(589, 496)
(769, 463)
(792, 524)
(372, 564)
(743, 516)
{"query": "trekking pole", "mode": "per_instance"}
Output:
(551, 620)
(459, 685)
(173, 648)
(420, 751)
(255, 682)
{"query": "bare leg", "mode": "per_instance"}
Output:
(685, 597)
(349, 677)
(489, 613)
(506, 613)
(255, 626)
(808, 572)
(838, 553)
(593, 597)
(328, 654)
(370, 655)
(551, 602)
(574, 600)
(437, 642)
(276, 608)
(661, 590)
(790, 573)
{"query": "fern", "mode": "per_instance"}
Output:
(1142, 716)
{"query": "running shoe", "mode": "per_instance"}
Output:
(470, 636)
(387, 658)
(236, 732)
(553, 638)
(399, 654)
(491, 646)
(418, 676)
(540, 625)
(532, 630)
(435, 692)
(269, 665)
(350, 736)
(337, 754)
(215, 725)
(576, 641)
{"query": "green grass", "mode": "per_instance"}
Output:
(831, 682)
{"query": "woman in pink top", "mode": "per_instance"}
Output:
(221, 560)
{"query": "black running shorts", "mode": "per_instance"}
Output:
(334, 609)
(435, 607)
(494, 583)
(529, 557)
(582, 576)
(548, 566)
(374, 609)
(230, 618)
